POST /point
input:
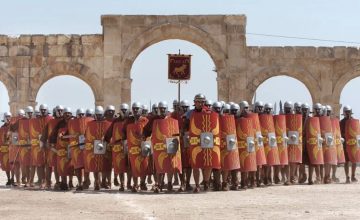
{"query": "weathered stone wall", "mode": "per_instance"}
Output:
(105, 61)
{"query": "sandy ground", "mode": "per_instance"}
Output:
(334, 201)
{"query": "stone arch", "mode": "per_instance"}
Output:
(342, 81)
(170, 31)
(10, 83)
(297, 73)
(63, 68)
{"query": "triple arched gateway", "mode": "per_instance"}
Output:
(104, 61)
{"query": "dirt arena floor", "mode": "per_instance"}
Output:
(334, 201)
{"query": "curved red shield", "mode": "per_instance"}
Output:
(163, 129)
(270, 141)
(63, 163)
(229, 155)
(200, 123)
(4, 149)
(50, 154)
(294, 128)
(329, 147)
(260, 152)
(313, 146)
(247, 154)
(338, 143)
(352, 136)
(119, 156)
(280, 131)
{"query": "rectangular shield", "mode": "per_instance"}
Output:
(352, 136)
(329, 139)
(231, 142)
(207, 140)
(99, 147)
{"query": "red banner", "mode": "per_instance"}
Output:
(179, 67)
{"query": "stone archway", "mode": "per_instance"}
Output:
(63, 68)
(295, 72)
(172, 31)
(10, 84)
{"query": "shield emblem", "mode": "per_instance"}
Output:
(272, 139)
(172, 145)
(146, 148)
(285, 139)
(231, 142)
(338, 141)
(99, 147)
(329, 139)
(250, 144)
(358, 140)
(293, 137)
(259, 139)
(207, 140)
(14, 138)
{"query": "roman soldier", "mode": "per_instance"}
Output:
(185, 148)
(89, 113)
(97, 155)
(60, 139)
(270, 142)
(305, 111)
(139, 148)
(204, 134)
(76, 132)
(38, 159)
(349, 131)
(50, 148)
(4, 147)
(176, 114)
(247, 153)
(229, 152)
(21, 130)
(164, 132)
(109, 115)
(114, 135)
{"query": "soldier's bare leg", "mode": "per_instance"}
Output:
(302, 173)
(143, 183)
(122, 182)
(225, 185)
(353, 171)
(79, 178)
(176, 179)
(276, 177)
(334, 178)
(259, 176)
(64, 185)
(86, 183)
(244, 180)
(251, 179)
(217, 181)
(321, 167)
(234, 180)
(292, 172)
(188, 178)
(346, 168)
(8, 183)
(287, 175)
(96, 181)
(311, 172)
(317, 173)
(196, 175)
(327, 173)
(182, 181)
(170, 184)
(135, 187)
(206, 178)
(128, 177)
(32, 175)
(116, 182)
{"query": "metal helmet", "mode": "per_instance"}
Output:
(234, 106)
(297, 105)
(43, 106)
(208, 102)
(288, 104)
(328, 108)
(136, 105)
(227, 107)
(59, 107)
(231, 103)
(185, 103)
(163, 104)
(37, 112)
(110, 108)
(29, 109)
(89, 111)
(268, 106)
(80, 111)
(317, 106)
(217, 105)
(199, 97)
(99, 110)
(175, 102)
(21, 112)
(305, 106)
(124, 106)
(222, 103)
(67, 110)
(155, 105)
(347, 108)
(259, 103)
(144, 107)
(7, 114)
(244, 104)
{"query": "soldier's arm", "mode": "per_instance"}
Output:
(108, 134)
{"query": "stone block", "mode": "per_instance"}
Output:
(13, 41)
(3, 51)
(92, 50)
(51, 39)
(75, 39)
(76, 50)
(25, 40)
(340, 52)
(352, 52)
(289, 52)
(92, 39)
(305, 52)
(325, 53)
(38, 39)
(36, 61)
(3, 39)
(63, 39)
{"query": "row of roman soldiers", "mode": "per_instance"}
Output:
(216, 140)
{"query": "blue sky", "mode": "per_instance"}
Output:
(333, 20)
